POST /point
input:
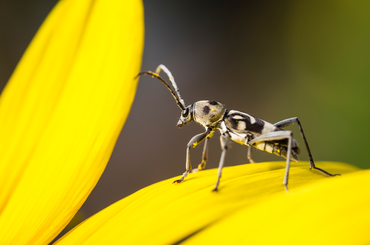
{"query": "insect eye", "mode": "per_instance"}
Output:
(185, 112)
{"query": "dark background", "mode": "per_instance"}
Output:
(271, 59)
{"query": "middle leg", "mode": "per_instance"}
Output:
(224, 140)
(249, 156)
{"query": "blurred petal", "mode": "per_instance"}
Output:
(62, 111)
(164, 213)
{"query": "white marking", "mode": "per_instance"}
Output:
(222, 127)
(237, 117)
(238, 138)
(268, 128)
(253, 120)
(241, 125)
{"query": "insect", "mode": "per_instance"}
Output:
(237, 126)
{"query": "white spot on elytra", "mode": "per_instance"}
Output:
(268, 128)
(241, 125)
(237, 117)
(253, 120)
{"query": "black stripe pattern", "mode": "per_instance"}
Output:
(242, 123)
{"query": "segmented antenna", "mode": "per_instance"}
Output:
(179, 101)
(172, 79)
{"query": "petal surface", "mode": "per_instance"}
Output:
(166, 213)
(331, 212)
(62, 111)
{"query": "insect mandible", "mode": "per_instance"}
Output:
(237, 126)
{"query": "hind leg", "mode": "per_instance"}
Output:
(286, 123)
(278, 135)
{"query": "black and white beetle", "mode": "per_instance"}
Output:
(237, 126)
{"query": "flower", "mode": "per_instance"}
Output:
(251, 207)
(62, 111)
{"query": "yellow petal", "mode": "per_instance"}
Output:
(62, 111)
(332, 212)
(165, 213)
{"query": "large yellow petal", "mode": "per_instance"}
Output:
(164, 213)
(332, 212)
(62, 111)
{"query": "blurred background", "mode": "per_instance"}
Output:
(271, 59)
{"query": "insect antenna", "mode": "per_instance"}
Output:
(172, 79)
(179, 101)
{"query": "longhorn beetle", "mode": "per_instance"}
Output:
(236, 126)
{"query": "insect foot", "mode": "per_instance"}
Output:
(182, 178)
(322, 171)
(195, 170)
(216, 186)
(177, 181)
(200, 167)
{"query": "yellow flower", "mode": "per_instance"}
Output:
(62, 111)
(251, 207)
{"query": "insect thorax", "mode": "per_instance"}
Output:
(208, 112)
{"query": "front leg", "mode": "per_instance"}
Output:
(197, 139)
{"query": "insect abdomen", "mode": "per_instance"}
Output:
(277, 149)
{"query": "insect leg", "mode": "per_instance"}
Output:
(278, 135)
(202, 165)
(192, 143)
(287, 122)
(250, 155)
(224, 139)
(204, 155)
